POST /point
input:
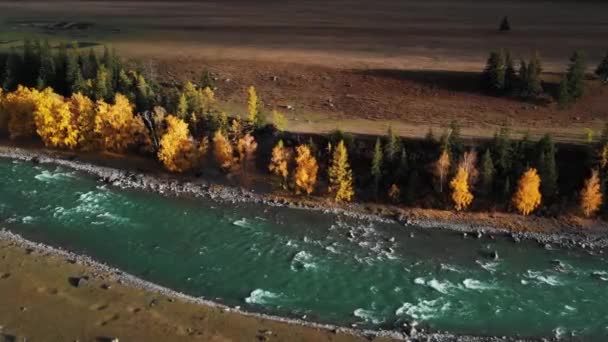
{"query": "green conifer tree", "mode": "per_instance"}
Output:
(376, 170)
(576, 75)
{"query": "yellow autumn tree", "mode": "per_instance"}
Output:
(279, 162)
(253, 107)
(441, 168)
(19, 107)
(461, 196)
(177, 151)
(3, 115)
(528, 197)
(116, 126)
(591, 195)
(222, 151)
(54, 121)
(305, 175)
(83, 113)
(340, 175)
(394, 193)
(279, 120)
(245, 149)
(604, 156)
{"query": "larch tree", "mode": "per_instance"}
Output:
(245, 148)
(177, 151)
(591, 195)
(528, 196)
(116, 125)
(340, 175)
(279, 163)
(253, 107)
(83, 111)
(376, 169)
(182, 107)
(461, 195)
(279, 120)
(563, 93)
(305, 175)
(223, 151)
(494, 73)
(54, 122)
(442, 167)
(394, 193)
(469, 163)
(392, 144)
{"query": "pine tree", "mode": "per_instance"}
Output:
(454, 141)
(591, 195)
(100, 85)
(532, 85)
(206, 80)
(12, 71)
(461, 195)
(487, 172)
(563, 96)
(46, 75)
(305, 175)
(340, 175)
(576, 75)
(510, 73)
(495, 72)
(61, 67)
(528, 196)
(602, 69)
(143, 94)
(392, 144)
(376, 170)
(505, 26)
(279, 163)
(546, 166)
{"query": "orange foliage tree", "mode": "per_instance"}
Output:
(222, 151)
(177, 151)
(305, 175)
(83, 113)
(461, 196)
(54, 121)
(19, 106)
(279, 163)
(528, 197)
(116, 126)
(591, 195)
(245, 148)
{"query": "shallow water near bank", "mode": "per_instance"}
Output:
(299, 263)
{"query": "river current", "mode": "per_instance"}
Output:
(306, 264)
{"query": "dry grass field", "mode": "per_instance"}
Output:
(353, 64)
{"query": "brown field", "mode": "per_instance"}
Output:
(351, 64)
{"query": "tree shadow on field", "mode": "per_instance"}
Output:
(459, 81)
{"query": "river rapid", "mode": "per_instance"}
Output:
(311, 265)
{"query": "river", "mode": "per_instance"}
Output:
(302, 263)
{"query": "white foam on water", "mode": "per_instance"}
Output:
(489, 266)
(302, 260)
(50, 177)
(242, 223)
(560, 332)
(424, 309)
(439, 286)
(539, 277)
(569, 308)
(368, 316)
(261, 297)
(477, 285)
(27, 219)
(601, 275)
(451, 268)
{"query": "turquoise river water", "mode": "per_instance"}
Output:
(298, 263)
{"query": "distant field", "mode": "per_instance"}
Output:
(341, 62)
(454, 35)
